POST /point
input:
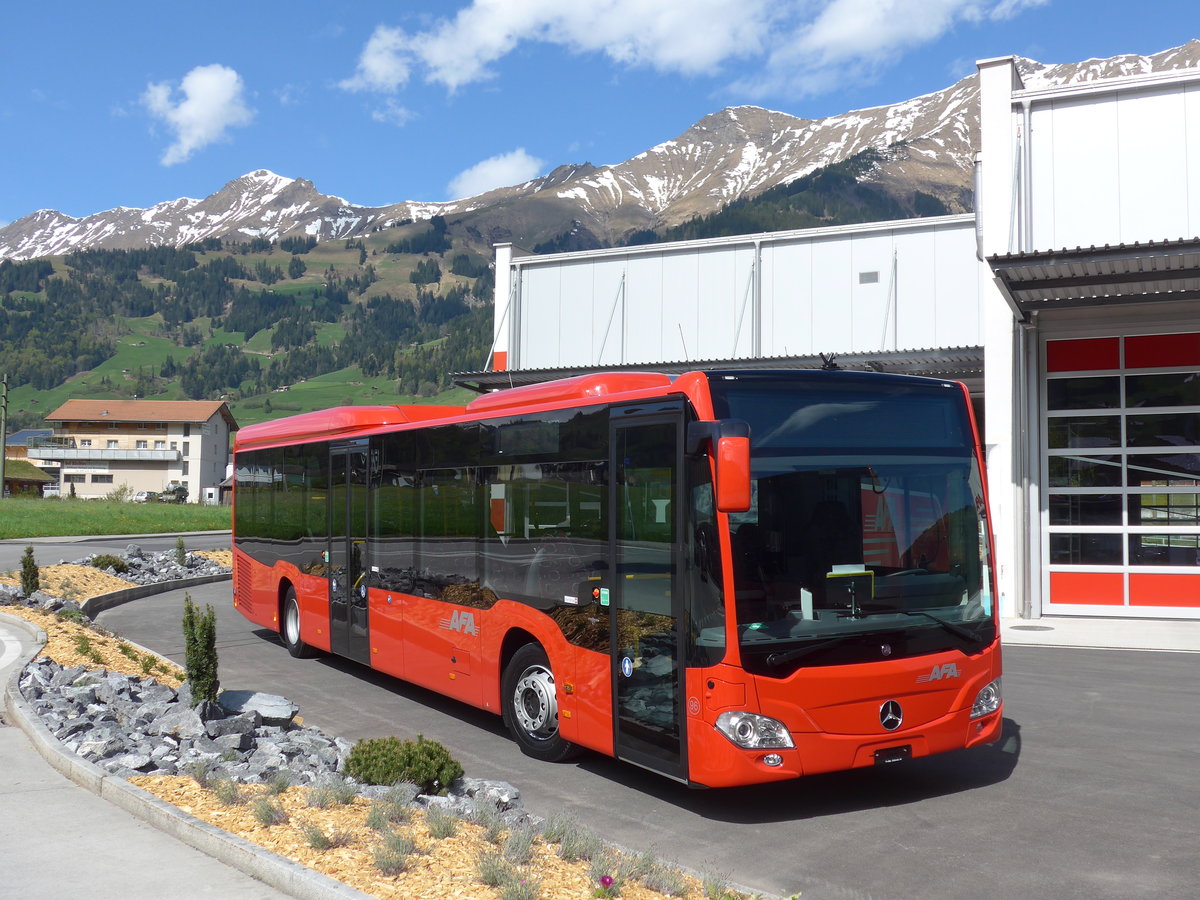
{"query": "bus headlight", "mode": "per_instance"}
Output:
(987, 700)
(754, 732)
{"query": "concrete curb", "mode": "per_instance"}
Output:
(280, 873)
(101, 602)
(80, 538)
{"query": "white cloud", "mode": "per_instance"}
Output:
(290, 94)
(392, 113)
(663, 34)
(497, 171)
(803, 46)
(384, 63)
(855, 39)
(212, 102)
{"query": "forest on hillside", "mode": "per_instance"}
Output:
(64, 316)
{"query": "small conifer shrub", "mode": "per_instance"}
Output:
(200, 650)
(31, 582)
(108, 561)
(389, 760)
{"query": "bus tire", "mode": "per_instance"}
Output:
(531, 706)
(289, 626)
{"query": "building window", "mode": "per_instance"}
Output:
(186, 451)
(160, 445)
(102, 479)
(174, 446)
(112, 445)
(74, 479)
(184, 468)
(113, 426)
(187, 432)
(85, 442)
(142, 445)
(142, 426)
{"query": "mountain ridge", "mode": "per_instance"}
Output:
(732, 153)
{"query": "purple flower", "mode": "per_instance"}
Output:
(606, 881)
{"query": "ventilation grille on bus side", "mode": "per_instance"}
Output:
(241, 581)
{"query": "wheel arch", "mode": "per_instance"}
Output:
(514, 639)
(285, 584)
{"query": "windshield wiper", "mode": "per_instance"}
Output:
(965, 633)
(781, 657)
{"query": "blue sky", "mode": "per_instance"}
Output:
(135, 103)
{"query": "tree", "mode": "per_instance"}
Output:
(296, 267)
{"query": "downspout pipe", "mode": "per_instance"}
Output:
(1027, 177)
(978, 187)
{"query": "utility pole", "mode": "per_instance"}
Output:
(3, 428)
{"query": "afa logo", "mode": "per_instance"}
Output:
(949, 670)
(462, 622)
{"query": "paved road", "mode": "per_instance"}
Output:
(50, 551)
(1092, 793)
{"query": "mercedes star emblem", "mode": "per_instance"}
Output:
(890, 715)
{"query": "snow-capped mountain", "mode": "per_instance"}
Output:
(928, 141)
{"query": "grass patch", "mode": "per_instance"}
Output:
(26, 518)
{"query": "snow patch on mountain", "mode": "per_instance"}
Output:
(736, 152)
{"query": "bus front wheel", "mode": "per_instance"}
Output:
(289, 628)
(531, 706)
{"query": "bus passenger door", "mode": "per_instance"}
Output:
(348, 551)
(646, 603)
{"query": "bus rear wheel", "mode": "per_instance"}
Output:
(289, 626)
(531, 706)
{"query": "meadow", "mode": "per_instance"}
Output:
(29, 518)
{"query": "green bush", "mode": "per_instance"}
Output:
(31, 582)
(108, 561)
(200, 650)
(389, 760)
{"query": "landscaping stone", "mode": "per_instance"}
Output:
(275, 710)
(137, 726)
(10, 594)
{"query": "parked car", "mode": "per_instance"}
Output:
(145, 496)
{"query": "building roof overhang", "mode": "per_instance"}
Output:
(963, 364)
(1121, 274)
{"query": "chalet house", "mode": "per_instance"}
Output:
(23, 479)
(149, 445)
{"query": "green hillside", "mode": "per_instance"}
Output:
(296, 325)
(274, 328)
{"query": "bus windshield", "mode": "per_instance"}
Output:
(866, 530)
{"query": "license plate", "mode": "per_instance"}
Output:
(893, 755)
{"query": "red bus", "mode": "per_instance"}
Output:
(727, 577)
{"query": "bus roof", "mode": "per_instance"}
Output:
(339, 422)
(580, 387)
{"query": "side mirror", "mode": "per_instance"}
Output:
(730, 442)
(733, 474)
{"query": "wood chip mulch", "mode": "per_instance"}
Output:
(441, 869)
